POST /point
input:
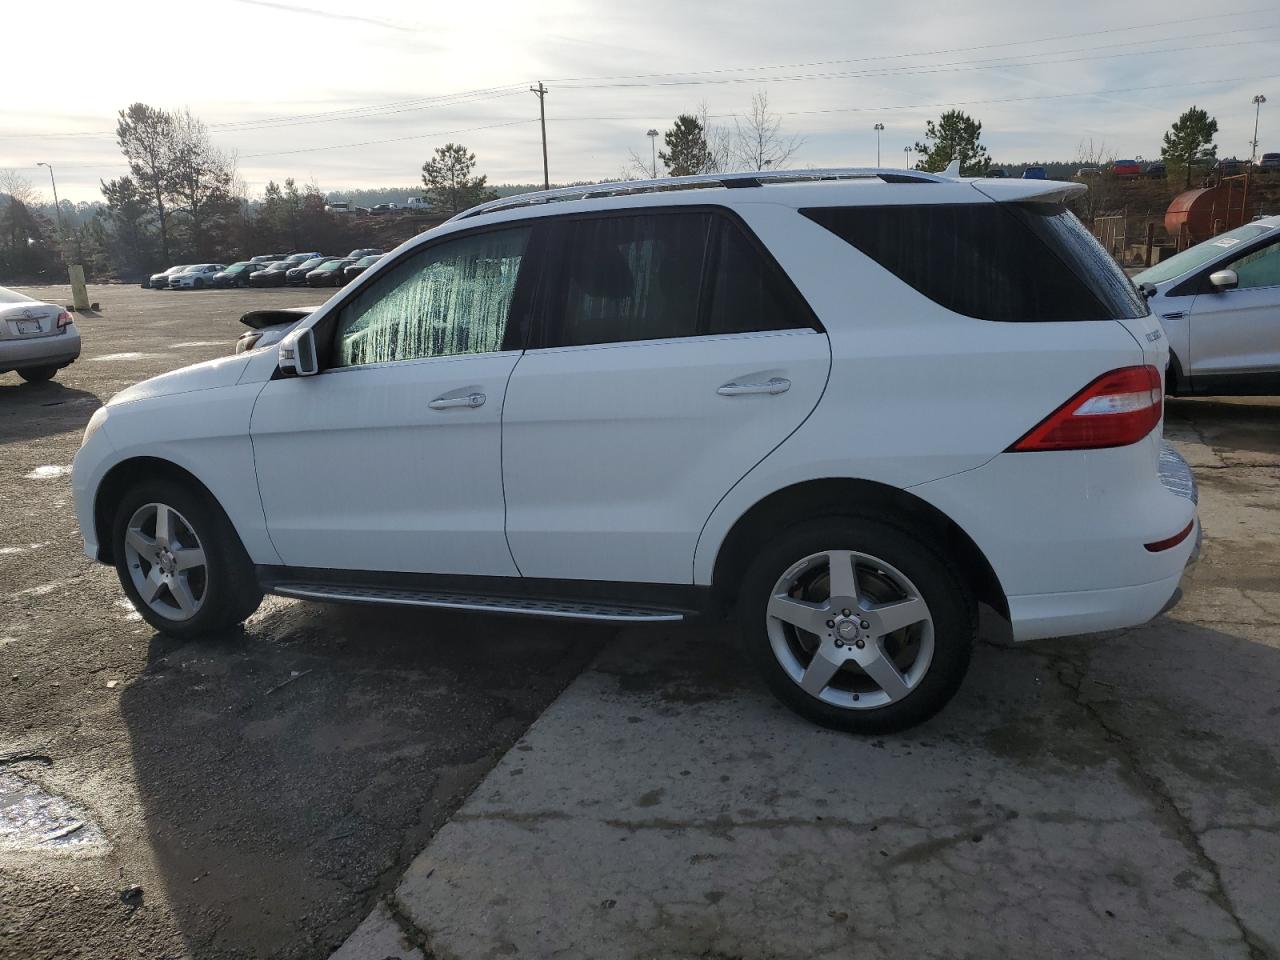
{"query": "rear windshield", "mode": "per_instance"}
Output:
(1201, 253)
(1007, 262)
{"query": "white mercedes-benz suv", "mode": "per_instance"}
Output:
(844, 407)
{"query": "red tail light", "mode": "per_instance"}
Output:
(64, 321)
(1117, 409)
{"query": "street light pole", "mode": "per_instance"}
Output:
(57, 208)
(75, 272)
(878, 127)
(1258, 101)
(653, 150)
(906, 158)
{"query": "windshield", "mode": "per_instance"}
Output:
(1201, 253)
(278, 265)
(313, 263)
(367, 261)
(239, 267)
(330, 265)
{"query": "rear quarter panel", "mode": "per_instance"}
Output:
(916, 392)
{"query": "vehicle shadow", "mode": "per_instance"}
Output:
(288, 771)
(30, 410)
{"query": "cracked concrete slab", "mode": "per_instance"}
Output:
(1110, 796)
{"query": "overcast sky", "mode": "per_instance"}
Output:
(309, 89)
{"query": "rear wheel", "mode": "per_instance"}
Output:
(856, 624)
(37, 374)
(180, 561)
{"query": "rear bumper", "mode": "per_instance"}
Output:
(58, 350)
(1036, 616)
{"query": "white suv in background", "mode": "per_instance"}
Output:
(845, 407)
(1219, 302)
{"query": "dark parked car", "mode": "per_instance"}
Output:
(1228, 167)
(997, 172)
(353, 270)
(381, 208)
(236, 275)
(1270, 163)
(270, 276)
(297, 276)
(1156, 171)
(365, 252)
(1034, 173)
(329, 273)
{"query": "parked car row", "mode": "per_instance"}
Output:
(268, 270)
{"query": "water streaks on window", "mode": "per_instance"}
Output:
(451, 299)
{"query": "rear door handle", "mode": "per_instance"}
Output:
(771, 386)
(447, 403)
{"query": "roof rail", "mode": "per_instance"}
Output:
(624, 188)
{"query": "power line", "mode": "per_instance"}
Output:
(929, 53)
(367, 143)
(953, 67)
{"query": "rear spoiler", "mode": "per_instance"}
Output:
(257, 319)
(1028, 191)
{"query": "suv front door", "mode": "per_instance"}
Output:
(673, 355)
(390, 458)
(1236, 333)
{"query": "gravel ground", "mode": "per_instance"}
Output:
(212, 812)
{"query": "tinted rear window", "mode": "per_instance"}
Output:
(992, 261)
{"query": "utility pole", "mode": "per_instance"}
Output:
(878, 127)
(541, 93)
(75, 272)
(1258, 101)
(653, 150)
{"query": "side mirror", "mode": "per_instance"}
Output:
(1222, 280)
(297, 353)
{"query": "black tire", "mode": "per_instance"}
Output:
(197, 284)
(950, 604)
(37, 374)
(231, 590)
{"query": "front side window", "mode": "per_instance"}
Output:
(990, 261)
(1201, 254)
(1261, 268)
(452, 298)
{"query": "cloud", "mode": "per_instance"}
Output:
(329, 15)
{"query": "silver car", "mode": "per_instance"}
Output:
(37, 339)
(1219, 304)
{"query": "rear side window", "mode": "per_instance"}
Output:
(991, 261)
(665, 275)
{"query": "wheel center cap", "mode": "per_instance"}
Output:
(847, 629)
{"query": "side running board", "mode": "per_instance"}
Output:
(527, 606)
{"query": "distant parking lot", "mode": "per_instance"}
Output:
(260, 795)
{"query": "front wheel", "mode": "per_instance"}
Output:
(180, 562)
(857, 625)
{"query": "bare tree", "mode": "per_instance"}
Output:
(201, 176)
(18, 187)
(1100, 198)
(757, 141)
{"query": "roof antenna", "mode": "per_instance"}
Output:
(953, 170)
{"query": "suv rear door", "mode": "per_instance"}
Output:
(672, 354)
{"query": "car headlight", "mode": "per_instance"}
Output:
(95, 424)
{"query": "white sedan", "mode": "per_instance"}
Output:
(1219, 304)
(37, 339)
(196, 277)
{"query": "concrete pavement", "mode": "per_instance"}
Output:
(1112, 796)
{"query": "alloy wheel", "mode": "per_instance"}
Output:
(166, 561)
(850, 629)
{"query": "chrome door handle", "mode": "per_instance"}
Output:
(446, 403)
(773, 385)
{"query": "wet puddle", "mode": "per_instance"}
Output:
(48, 472)
(33, 819)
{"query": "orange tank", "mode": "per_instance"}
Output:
(1206, 212)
